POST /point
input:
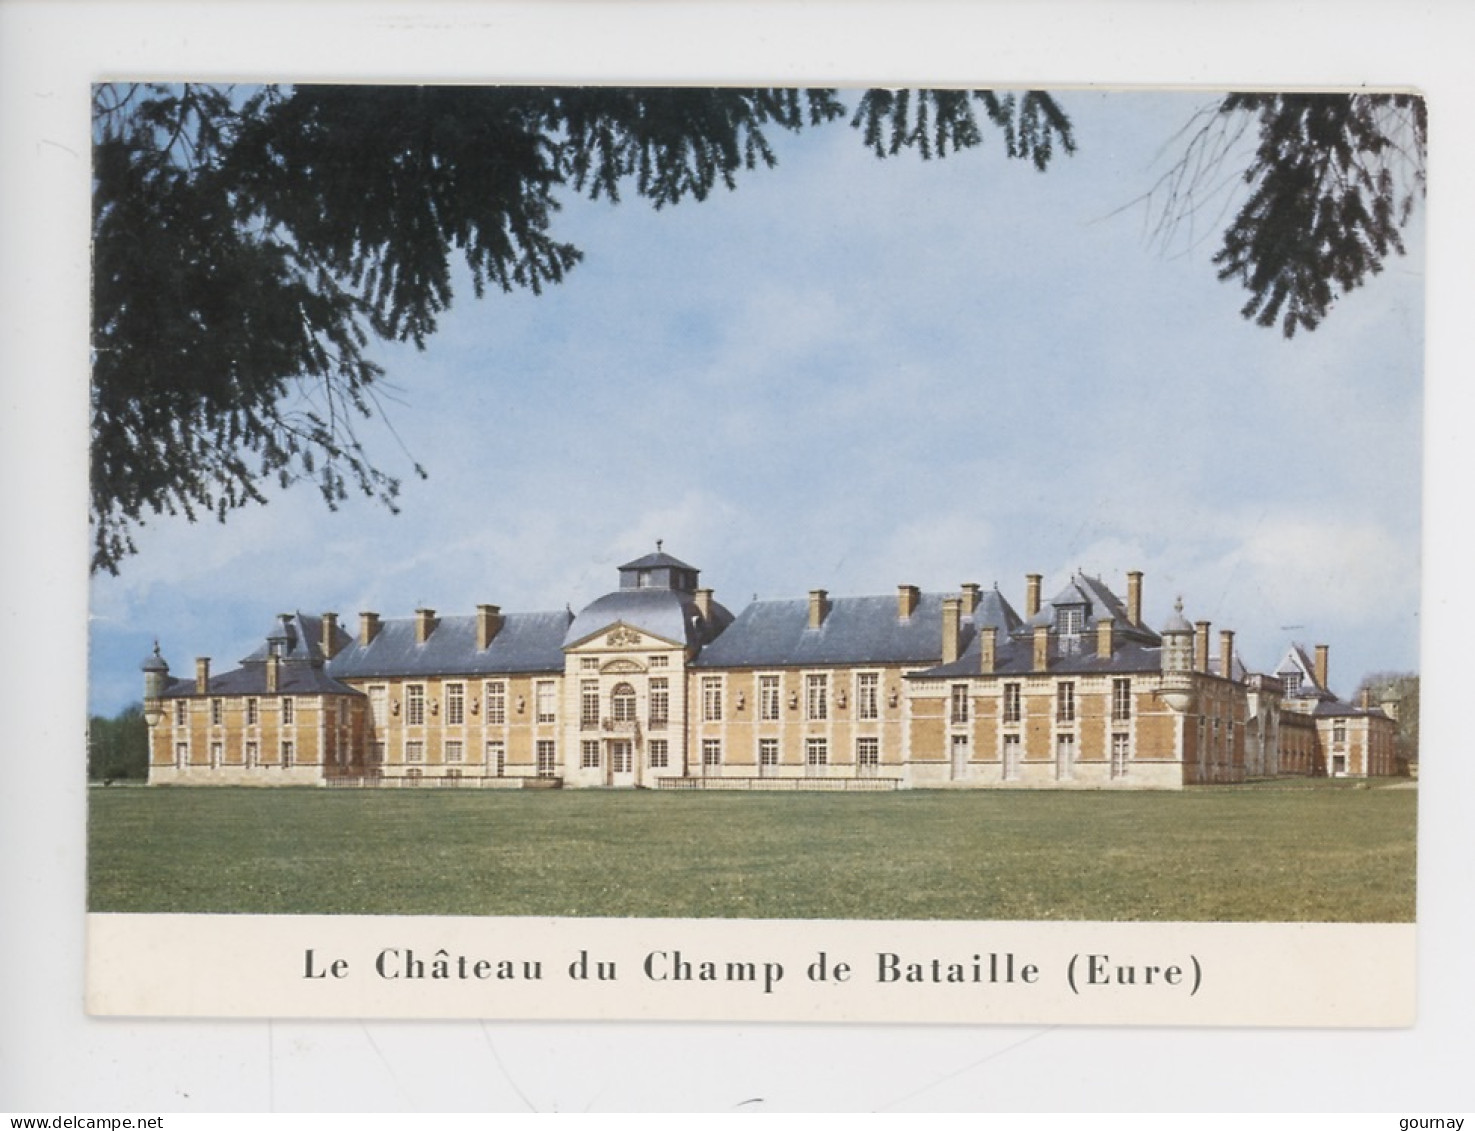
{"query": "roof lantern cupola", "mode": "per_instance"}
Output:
(155, 674)
(659, 571)
(1177, 689)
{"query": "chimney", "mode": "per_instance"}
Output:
(202, 675)
(1031, 594)
(330, 631)
(488, 624)
(971, 591)
(704, 603)
(952, 608)
(273, 674)
(368, 628)
(907, 597)
(1200, 645)
(1042, 648)
(1321, 667)
(1366, 699)
(988, 649)
(1226, 654)
(424, 624)
(1103, 637)
(1134, 598)
(819, 605)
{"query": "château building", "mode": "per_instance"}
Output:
(657, 685)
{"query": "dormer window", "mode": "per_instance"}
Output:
(1291, 682)
(1070, 620)
(278, 648)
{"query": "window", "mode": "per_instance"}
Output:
(589, 754)
(181, 753)
(1011, 703)
(817, 696)
(1065, 703)
(496, 759)
(289, 710)
(376, 753)
(622, 703)
(181, 712)
(1291, 682)
(547, 758)
(767, 756)
(660, 703)
(959, 756)
(1121, 700)
(217, 754)
(547, 701)
(867, 696)
(453, 775)
(253, 712)
(1011, 757)
(589, 704)
(867, 756)
(959, 712)
(816, 755)
(289, 754)
(415, 705)
(495, 694)
(660, 755)
(217, 712)
(414, 751)
(711, 754)
(455, 704)
(1339, 732)
(588, 663)
(768, 698)
(455, 750)
(1120, 753)
(712, 698)
(412, 777)
(1065, 756)
(1070, 620)
(660, 661)
(253, 754)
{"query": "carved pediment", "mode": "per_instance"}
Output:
(622, 636)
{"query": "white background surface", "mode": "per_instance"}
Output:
(53, 1058)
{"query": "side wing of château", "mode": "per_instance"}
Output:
(657, 685)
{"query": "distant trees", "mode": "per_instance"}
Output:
(118, 747)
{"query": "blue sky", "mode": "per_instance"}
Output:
(850, 374)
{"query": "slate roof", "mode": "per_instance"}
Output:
(293, 678)
(303, 635)
(670, 614)
(1016, 658)
(658, 560)
(1337, 708)
(525, 642)
(1100, 602)
(856, 630)
(1296, 660)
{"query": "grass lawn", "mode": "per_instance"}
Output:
(1323, 851)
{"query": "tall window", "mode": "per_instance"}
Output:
(495, 694)
(867, 756)
(589, 754)
(1065, 756)
(217, 754)
(496, 759)
(711, 754)
(660, 755)
(817, 696)
(959, 712)
(415, 751)
(415, 705)
(289, 755)
(181, 753)
(767, 756)
(455, 704)
(867, 696)
(589, 704)
(181, 712)
(1065, 703)
(1339, 732)
(1121, 700)
(253, 755)
(289, 710)
(1291, 683)
(455, 750)
(1120, 752)
(547, 701)
(660, 702)
(1011, 703)
(253, 712)
(1011, 757)
(547, 758)
(816, 754)
(217, 712)
(768, 700)
(622, 703)
(712, 698)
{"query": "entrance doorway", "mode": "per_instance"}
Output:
(621, 762)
